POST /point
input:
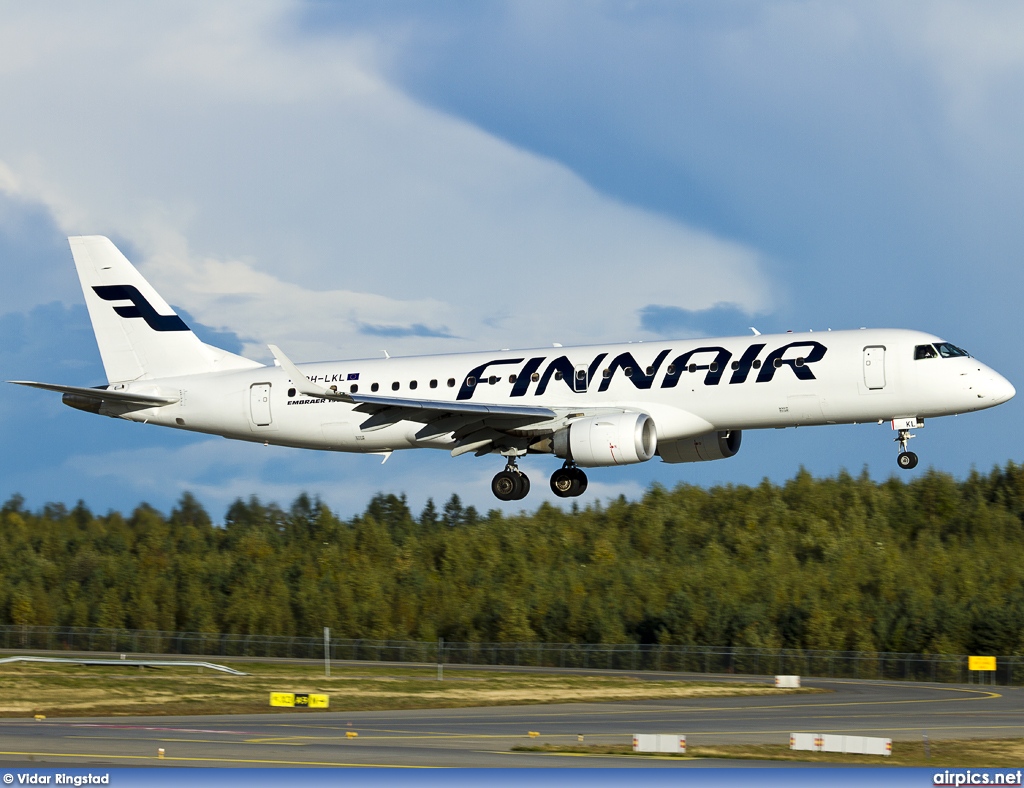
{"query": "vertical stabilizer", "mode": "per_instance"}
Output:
(139, 335)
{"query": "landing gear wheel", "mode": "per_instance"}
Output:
(563, 483)
(507, 486)
(524, 487)
(581, 481)
(907, 460)
(568, 482)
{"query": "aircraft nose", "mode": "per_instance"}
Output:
(1000, 389)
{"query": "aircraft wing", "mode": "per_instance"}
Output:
(475, 425)
(98, 394)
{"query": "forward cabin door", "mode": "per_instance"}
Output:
(259, 404)
(874, 367)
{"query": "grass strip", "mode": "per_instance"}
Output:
(28, 689)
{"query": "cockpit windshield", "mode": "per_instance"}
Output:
(940, 349)
(946, 350)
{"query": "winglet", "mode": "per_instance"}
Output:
(302, 383)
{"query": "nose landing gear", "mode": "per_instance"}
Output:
(905, 460)
(510, 484)
(568, 481)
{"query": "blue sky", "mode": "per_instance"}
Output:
(342, 178)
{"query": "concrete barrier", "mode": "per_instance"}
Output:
(659, 742)
(855, 745)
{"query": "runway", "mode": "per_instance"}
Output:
(483, 737)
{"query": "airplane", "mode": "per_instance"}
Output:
(591, 406)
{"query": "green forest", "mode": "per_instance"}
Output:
(932, 565)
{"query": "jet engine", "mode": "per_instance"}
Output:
(615, 439)
(718, 445)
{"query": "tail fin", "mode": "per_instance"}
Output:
(138, 334)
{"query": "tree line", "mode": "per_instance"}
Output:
(932, 565)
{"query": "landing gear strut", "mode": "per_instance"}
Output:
(568, 481)
(905, 459)
(510, 484)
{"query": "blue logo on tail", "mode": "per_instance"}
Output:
(140, 307)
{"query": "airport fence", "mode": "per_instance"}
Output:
(952, 668)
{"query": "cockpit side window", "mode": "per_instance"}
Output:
(925, 351)
(946, 350)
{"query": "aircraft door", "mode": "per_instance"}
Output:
(874, 367)
(579, 378)
(259, 404)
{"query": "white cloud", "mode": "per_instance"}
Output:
(274, 183)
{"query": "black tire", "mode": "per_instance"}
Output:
(581, 481)
(907, 460)
(564, 483)
(506, 485)
(524, 487)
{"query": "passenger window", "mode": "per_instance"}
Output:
(433, 384)
(492, 379)
(735, 365)
(471, 381)
(558, 374)
(353, 388)
(650, 371)
(413, 384)
(606, 373)
(451, 383)
(511, 378)
(535, 377)
(756, 364)
(713, 367)
(581, 374)
(671, 369)
(394, 386)
(374, 386)
(693, 367)
(627, 371)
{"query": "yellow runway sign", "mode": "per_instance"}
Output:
(307, 700)
(981, 663)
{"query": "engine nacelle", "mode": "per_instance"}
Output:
(711, 446)
(615, 439)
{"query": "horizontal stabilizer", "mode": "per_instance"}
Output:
(102, 394)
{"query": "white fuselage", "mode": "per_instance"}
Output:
(687, 387)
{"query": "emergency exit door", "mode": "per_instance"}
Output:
(259, 404)
(874, 367)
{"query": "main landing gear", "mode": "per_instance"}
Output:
(905, 459)
(511, 484)
(568, 481)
